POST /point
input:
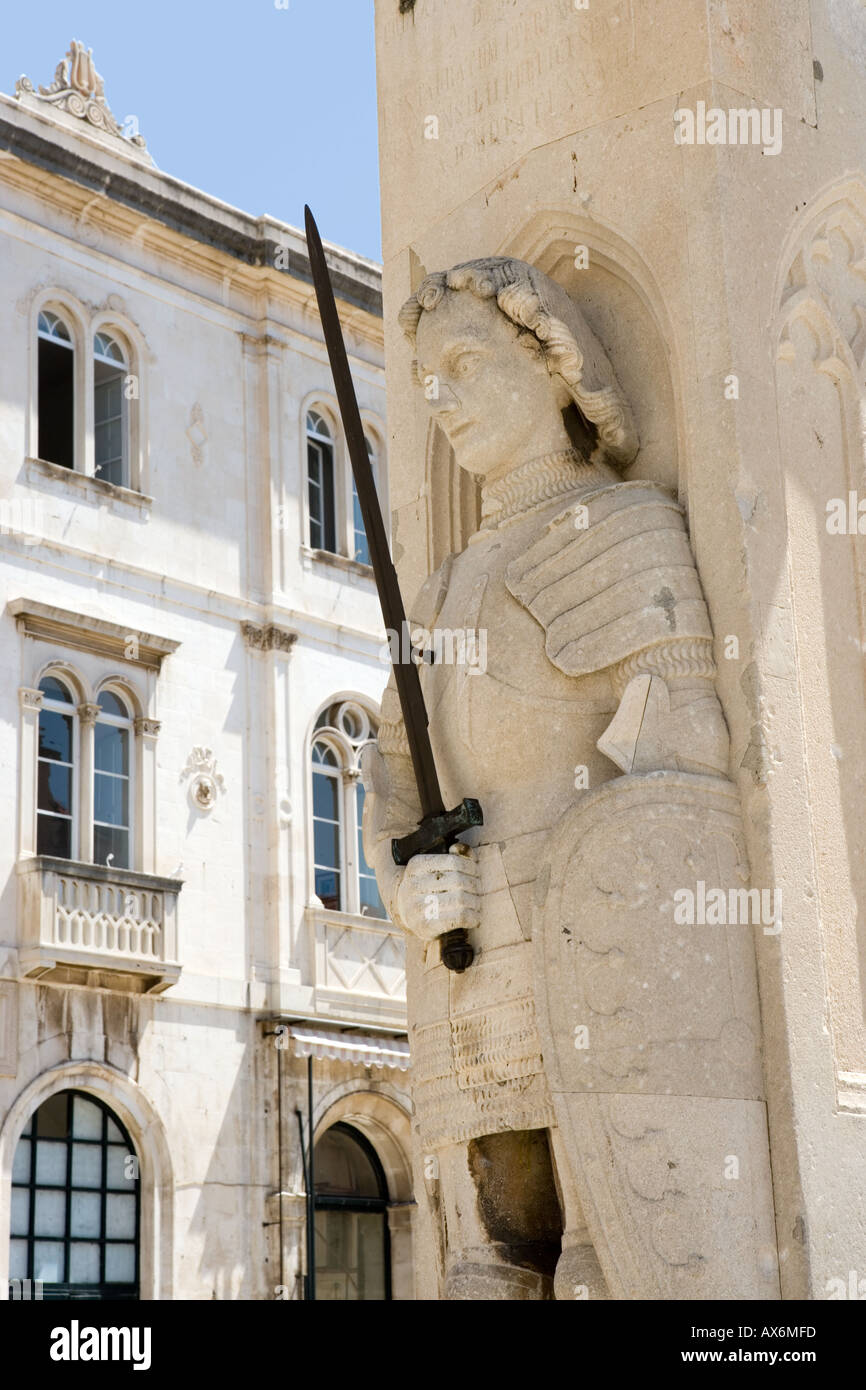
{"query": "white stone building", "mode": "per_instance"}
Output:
(190, 642)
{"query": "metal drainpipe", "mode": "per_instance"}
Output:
(280, 1163)
(311, 1185)
(304, 1278)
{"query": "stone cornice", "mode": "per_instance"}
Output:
(150, 193)
(340, 562)
(100, 873)
(98, 489)
(83, 633)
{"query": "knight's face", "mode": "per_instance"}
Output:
(494, 399)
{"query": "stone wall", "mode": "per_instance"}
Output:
(724, 280)
(207, 551)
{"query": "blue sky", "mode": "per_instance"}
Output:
(263, 107)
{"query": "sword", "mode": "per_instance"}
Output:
(438, 828)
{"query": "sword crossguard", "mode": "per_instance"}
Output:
(436, 834)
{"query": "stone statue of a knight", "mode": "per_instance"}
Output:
(588, 1092)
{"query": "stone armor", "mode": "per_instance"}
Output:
(593, 738)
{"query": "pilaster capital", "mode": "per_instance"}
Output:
(268, 638)
(147, 728)
(30, 699)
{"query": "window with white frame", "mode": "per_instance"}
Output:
(55, 390)
(85, 413)
(56, 789)
(343, 881)
(335, 523)
(110, 425)
(86, 773)
(320, 483)
(111, 782)
(360, 548)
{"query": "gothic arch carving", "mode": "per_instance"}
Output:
(623, 305)
(819, 338)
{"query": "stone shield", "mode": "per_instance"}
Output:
(650, 1032)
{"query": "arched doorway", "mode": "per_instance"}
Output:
(353, 1257)
(76, 1202)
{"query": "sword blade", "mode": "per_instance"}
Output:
(406, 675)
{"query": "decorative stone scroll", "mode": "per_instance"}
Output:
(205, 781)
(79, 90)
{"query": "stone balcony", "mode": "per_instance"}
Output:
(103, 927)
(360, 967)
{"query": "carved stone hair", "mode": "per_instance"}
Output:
(542, 309)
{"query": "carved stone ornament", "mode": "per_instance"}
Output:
(268, 638)
(79, 90)
(206, 783)
(147, 728)
(196, 433)
(595, 742)
(30, 699)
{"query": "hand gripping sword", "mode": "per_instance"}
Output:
(438, 828)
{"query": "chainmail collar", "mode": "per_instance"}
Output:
(538, 480)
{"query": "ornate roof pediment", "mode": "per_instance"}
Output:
(79, 90)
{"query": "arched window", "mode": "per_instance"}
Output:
(351, 1201)
(111, 782)
(327, 826)
(56, 790)
(320, 483)
(76, 1202)
(110, 424)
(87, 757)
(55, 390)
(343, 880)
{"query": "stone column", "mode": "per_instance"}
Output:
(351, 776)
(30, 702)
(87, 717)
(401, 1222)
(294, 1212)
(274, 828)
(146, 733)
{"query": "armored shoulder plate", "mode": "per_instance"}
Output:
(610, 576)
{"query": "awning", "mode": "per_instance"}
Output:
(367, 1049)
